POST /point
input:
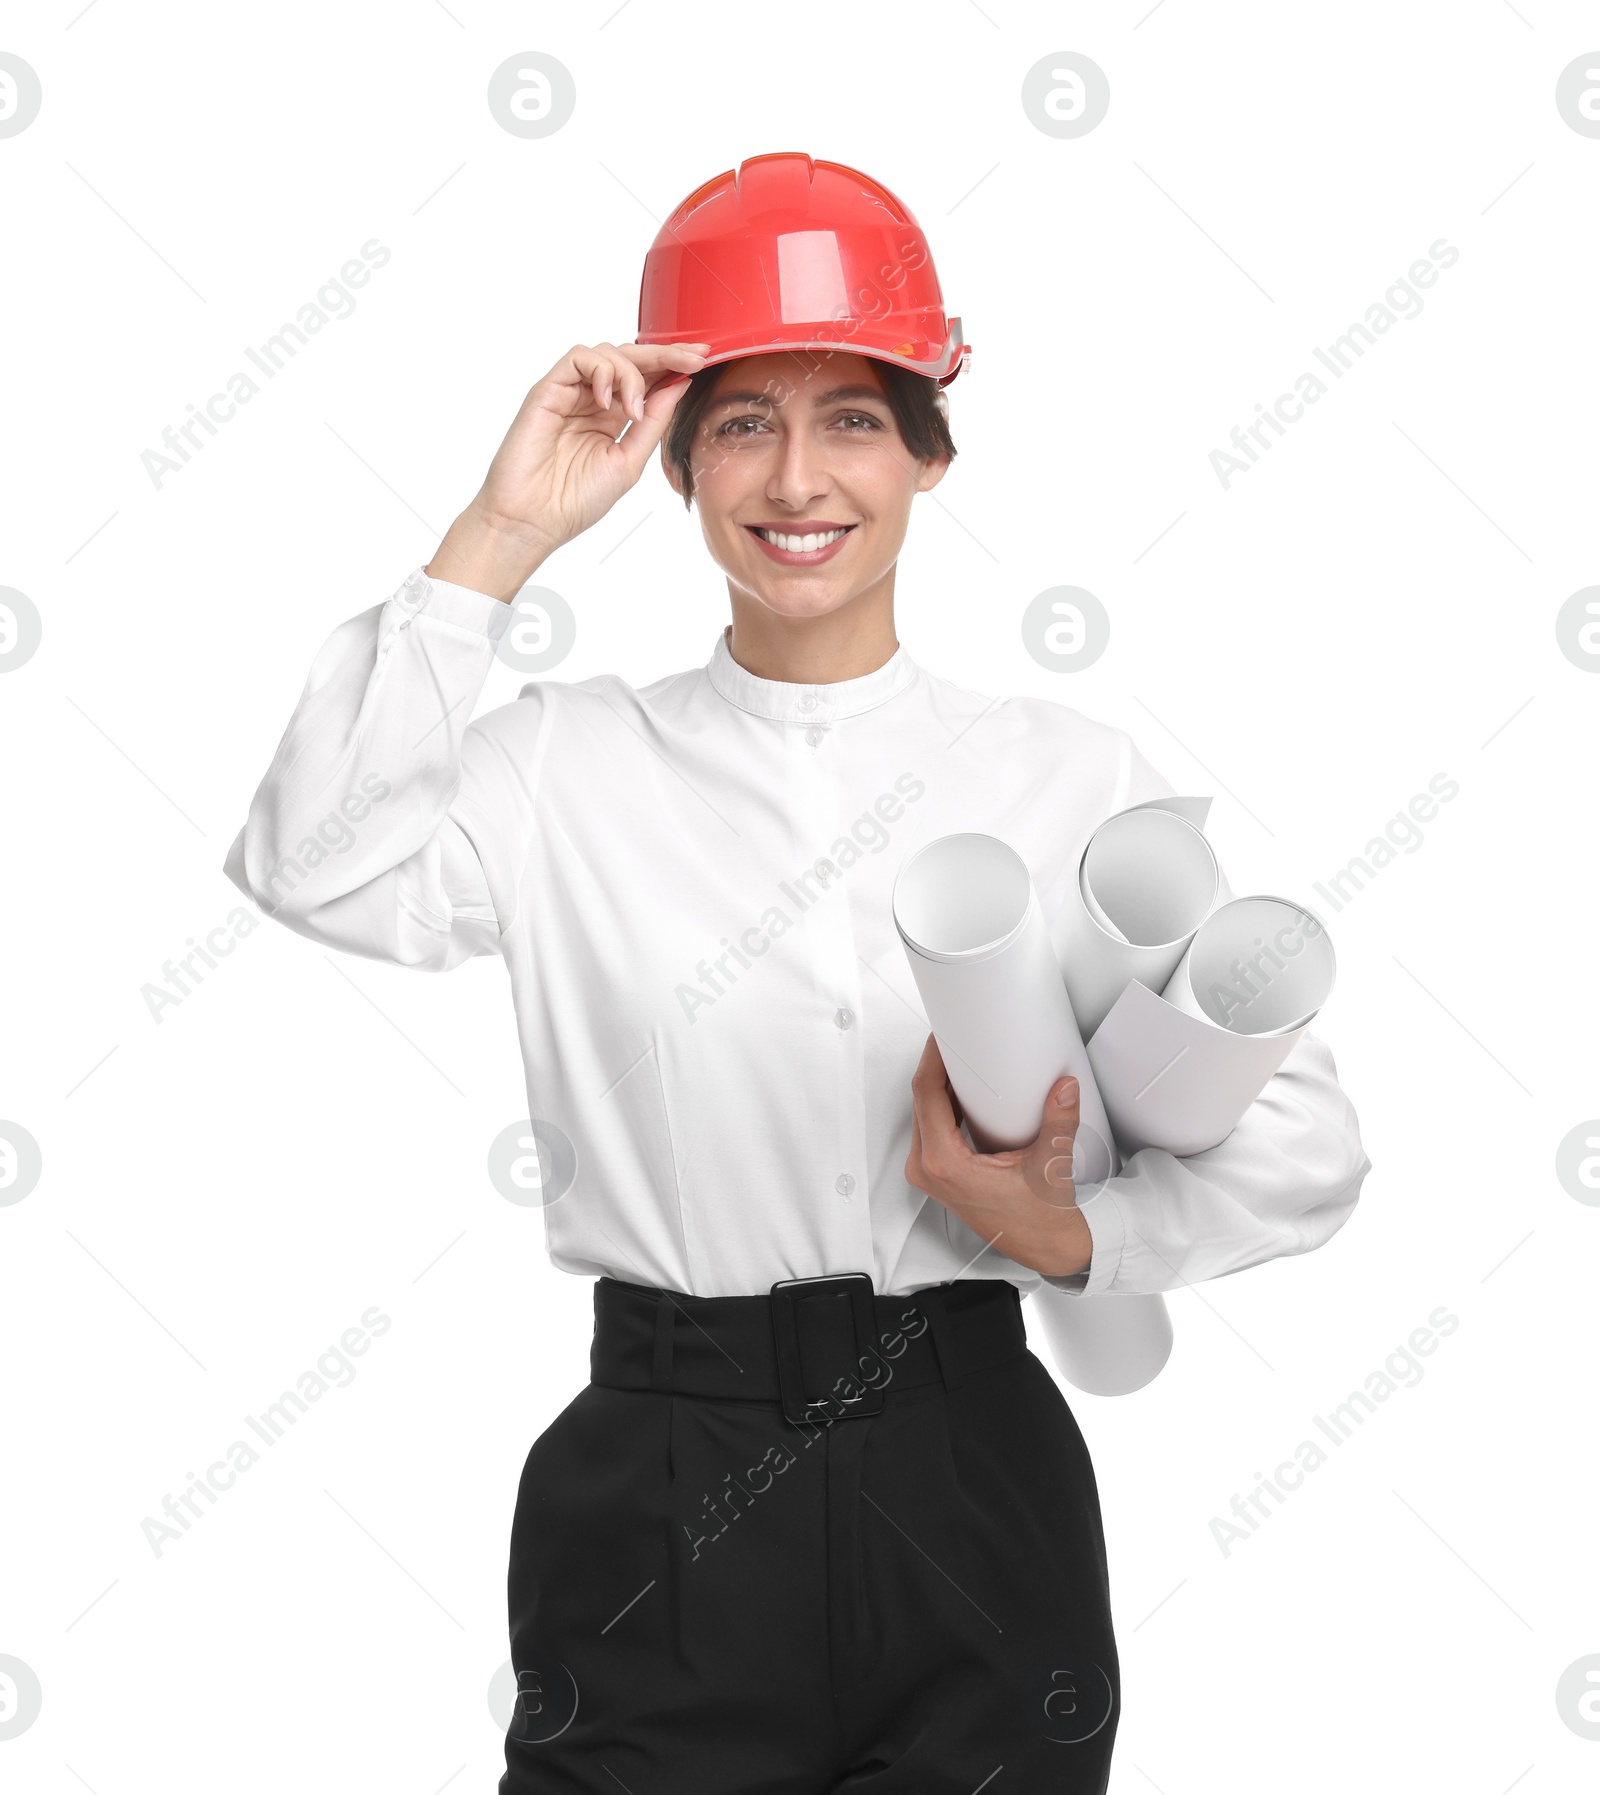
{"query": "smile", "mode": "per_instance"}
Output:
(794, 548)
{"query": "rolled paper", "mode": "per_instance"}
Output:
(1256, 966)
(1109, 1345)
(1178, 1070)
(1146, 881)
(976, 940)
(975, 936)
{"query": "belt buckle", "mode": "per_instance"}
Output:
(798, 1405)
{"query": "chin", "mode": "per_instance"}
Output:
(790, 603)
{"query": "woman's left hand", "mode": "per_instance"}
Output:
(1023, 1201)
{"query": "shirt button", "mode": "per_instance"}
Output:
(844, 1184)
(808, 703)
(814, 735)
(842, 1019)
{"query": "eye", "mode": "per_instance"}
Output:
(860, 417)
(731, 428)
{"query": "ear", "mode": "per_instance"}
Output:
(669, 468)
(930, 473)
(934, 471)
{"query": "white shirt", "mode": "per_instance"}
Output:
(690, 884)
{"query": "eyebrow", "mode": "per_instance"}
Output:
(831, 397)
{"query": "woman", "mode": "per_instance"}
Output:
(821, 1519)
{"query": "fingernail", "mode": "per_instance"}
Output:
(637, 407)
(605, 398)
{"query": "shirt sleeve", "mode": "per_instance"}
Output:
(359, 835)
(1284, 1181)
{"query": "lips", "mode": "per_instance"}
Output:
(798, 557)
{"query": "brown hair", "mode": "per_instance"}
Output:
(915, 401)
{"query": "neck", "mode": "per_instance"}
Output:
(856, 639)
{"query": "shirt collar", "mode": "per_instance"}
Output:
(783, 702)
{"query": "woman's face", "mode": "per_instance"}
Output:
(791, 452)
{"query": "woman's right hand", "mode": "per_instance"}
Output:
(562, 466)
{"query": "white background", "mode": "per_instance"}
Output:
(225, 1191)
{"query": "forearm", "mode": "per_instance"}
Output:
(488, 553)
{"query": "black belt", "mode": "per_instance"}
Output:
(826, 1348)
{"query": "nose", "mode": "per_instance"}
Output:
(799, 477)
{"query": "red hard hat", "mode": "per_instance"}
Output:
(788, 253)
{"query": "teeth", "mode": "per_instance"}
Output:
(800, 545)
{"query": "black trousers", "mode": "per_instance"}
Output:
(813, 1541)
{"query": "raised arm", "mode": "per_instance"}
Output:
(350, 838)
(377, 824)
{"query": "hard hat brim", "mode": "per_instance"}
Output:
(822, 338)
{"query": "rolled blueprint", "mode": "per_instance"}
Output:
(975, 936)
(979, 950)
(1178, 1070)
(1146, 881)
(1110, 1344)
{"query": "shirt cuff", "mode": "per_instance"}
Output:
(1106, 1232)
(458, 606)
